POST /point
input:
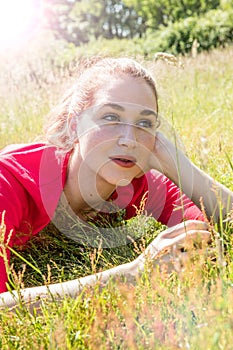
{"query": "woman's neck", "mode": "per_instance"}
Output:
(85, 190)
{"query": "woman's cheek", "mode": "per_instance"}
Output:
(97, 143)
(148, 141)
(103, 136)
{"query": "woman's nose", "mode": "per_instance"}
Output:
(127, 137)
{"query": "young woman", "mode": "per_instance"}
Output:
(103, 154)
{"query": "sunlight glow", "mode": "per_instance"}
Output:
(17, 19)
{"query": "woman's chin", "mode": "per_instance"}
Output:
(123, 182)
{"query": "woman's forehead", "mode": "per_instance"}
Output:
(126, 90)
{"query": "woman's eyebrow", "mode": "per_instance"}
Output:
(146, 112)
(114, 106)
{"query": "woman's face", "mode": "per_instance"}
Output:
(117, 133)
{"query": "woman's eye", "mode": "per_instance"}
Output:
(111, 117)
(146, 123)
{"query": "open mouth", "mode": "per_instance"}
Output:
(124, 162)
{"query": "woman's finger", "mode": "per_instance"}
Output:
(184, 240)
(184, 227)
(194, 237)
(189, 238)
(162, 154)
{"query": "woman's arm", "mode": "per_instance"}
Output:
(177, 235)
(35, 295)
(197, 185)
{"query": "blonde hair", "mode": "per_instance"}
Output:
(91, 75)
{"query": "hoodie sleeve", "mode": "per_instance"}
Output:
(12, 204)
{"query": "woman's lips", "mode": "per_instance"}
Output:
(123, 161)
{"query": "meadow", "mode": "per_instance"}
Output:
(191, 308)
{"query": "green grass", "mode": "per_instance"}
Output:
(190, 309)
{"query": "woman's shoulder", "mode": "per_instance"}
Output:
(34, 163)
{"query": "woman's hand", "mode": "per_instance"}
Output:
(164, 155)
(174, 239)
(196, 184)
(172, 162)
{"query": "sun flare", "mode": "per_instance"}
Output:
(17, 19)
